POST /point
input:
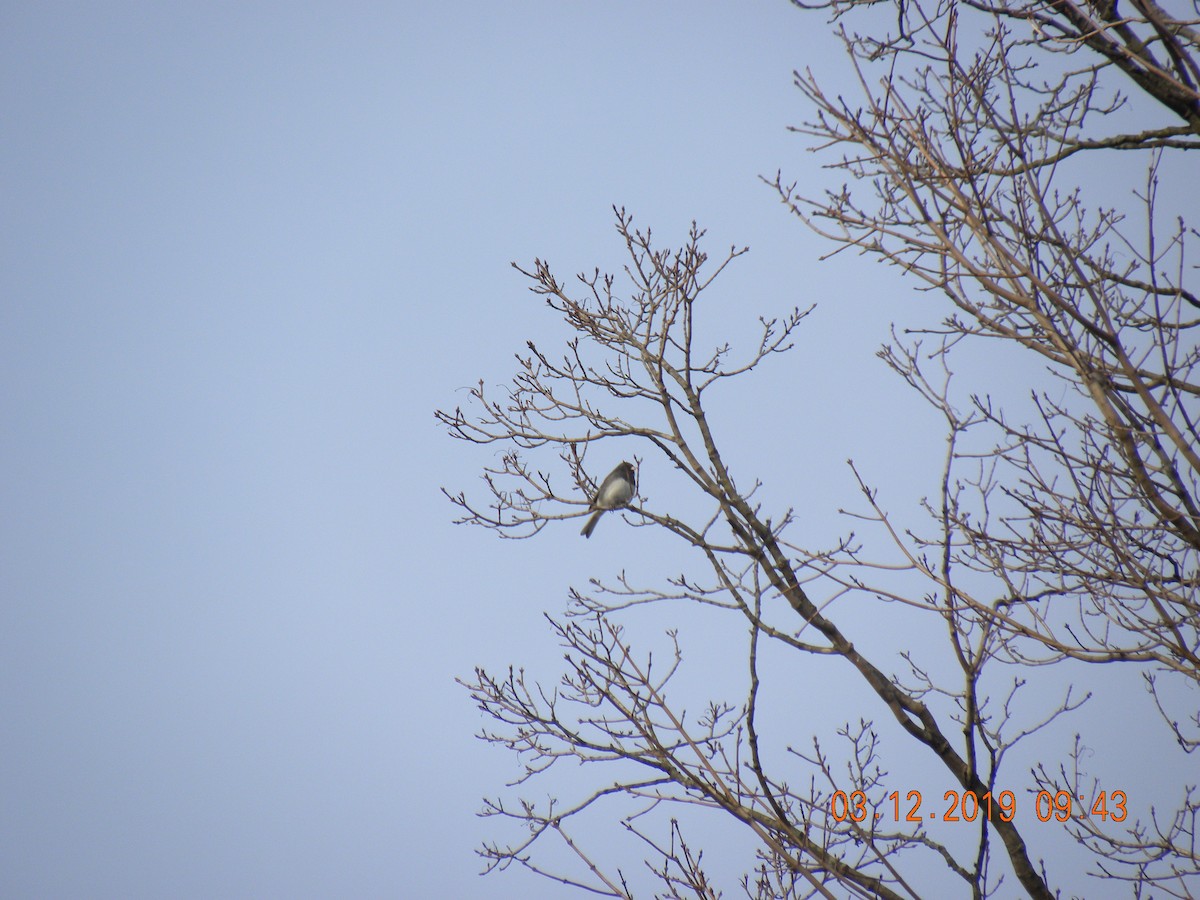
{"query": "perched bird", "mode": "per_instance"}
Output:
(615, 491)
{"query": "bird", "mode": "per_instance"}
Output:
(615, 491)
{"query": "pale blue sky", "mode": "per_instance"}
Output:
(247, 249)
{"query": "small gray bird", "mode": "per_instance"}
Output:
(615, 491)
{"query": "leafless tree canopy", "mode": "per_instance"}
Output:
(1064, 531)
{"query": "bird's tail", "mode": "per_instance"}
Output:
(590, 525)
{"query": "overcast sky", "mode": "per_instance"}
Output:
(247, 249)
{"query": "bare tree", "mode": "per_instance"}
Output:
(1062, 531)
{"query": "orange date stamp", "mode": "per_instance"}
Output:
(967, 806)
